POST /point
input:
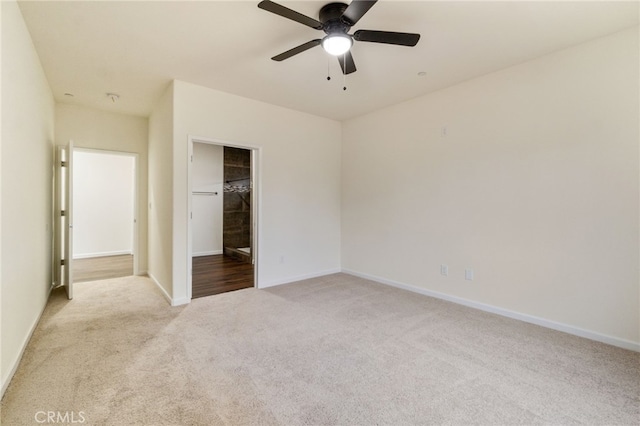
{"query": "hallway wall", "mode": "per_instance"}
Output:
(26, 179)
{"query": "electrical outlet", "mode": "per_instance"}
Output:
(444, 270)
(468, 274)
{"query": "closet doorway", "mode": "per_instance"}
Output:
(104, 214)
(222, 225)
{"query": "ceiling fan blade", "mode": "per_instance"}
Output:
(346, 63)
(285, 12)
(388, 37)
(299, 49)
(356, 10)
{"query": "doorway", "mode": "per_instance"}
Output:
(104, 215)
(222, 224)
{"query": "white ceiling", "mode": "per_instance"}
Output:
(135, 49)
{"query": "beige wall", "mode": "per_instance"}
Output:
(534, 186)
(299, 168)
(160, 201)
(96, 129)
(27, 179)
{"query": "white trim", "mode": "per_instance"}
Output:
(103, 254)
(169, 299)
(566, 328)
(207, 253)
(189, 281)
(16, 363)
(299, 278)
(256, 211)
(178, 302)
(162, 290)
(136, 215)
(105, 151)
(223, 142)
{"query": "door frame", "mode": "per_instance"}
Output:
(136, 247)
(255, 203)
(63, 218)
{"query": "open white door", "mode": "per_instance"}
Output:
(68, 237)
(63, 250)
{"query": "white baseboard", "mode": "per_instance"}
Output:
(576, 331)
(102, 254)
(181, 301)
(16, 363)
(207, 253)
(162, 290)
(172, 301)
(288, 280)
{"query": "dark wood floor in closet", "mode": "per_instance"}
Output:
(219, 274)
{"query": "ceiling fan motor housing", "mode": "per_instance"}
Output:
(332, 19)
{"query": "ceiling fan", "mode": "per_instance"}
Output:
(336, 19)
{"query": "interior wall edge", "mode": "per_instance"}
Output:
(566, 328)
(159, 192)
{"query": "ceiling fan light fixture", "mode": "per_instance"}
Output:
(337, 44)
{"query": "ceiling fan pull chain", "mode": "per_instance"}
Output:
(328, 68)
(344, 75)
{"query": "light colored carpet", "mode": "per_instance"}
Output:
(333, 350)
